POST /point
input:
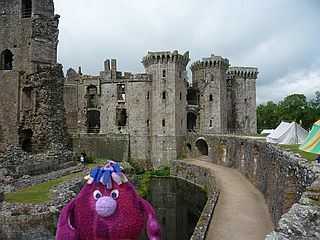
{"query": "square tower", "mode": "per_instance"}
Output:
(28, 45)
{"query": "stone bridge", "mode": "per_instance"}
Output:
(281, 177)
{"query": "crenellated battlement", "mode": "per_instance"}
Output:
(210, 62)
(165, 57)
(242, 72)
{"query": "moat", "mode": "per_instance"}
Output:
(178, 205)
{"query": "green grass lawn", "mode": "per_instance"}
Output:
(295, 148)
(37, 193)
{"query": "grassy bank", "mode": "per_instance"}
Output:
(295, 149)
(37, 193)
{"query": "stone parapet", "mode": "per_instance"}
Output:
(210, 62)
(165, 57)
(289, 183)
(242, 72)
(203, 177)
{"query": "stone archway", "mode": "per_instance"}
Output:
(202, 146)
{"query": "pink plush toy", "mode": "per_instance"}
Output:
(107, 207)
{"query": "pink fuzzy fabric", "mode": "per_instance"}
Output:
(79, 219)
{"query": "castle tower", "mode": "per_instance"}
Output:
(168, 103)
(208, 76)
(28, 45)
(242, 99)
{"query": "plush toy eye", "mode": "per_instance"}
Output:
(97, 194)
(114, 194)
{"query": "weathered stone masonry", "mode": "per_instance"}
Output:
(32, 112)
(282, 177)
(156, 109)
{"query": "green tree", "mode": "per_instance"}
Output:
(267, 116)
(315, 102)
(293, 107)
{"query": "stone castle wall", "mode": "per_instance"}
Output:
(112, 146)
(281, 176)
(205, 178)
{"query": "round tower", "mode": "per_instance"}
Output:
(168, 125)
(242, 99)
(209, 76)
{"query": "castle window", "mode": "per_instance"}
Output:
(121, 94)
(163, 123)
(180, 95)
(26, 98)
(164, 73)
(180, 74)
(148, 95)
(93, 121)
(6, 59)
(210, 123)
(164, 95)
(92, 97)
(210, 97)
(26, 8)
(25, 139)
(148, 123)
(121, 114)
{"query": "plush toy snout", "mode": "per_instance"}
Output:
(105, 206)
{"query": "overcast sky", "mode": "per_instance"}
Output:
(280, 37)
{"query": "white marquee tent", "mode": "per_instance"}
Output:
(288, 133)
(267, 131)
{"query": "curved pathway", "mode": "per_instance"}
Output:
(241, 211)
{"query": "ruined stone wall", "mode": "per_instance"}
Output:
(242, 99)
(37, 221)
(47, 121)
(210, 75)
(9, 106)
(135, 104)
(279, 175)
(302, 221)
(139, 123)
(112, 146)
(32, 40)
(71, 104)
(205, 178)
(30, 36)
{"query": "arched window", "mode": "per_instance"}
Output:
(26, 8)
(6, 60)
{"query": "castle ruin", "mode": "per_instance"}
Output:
(155, 110)
(143, 117)
(32, 113)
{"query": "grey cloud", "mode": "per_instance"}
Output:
(278, 37)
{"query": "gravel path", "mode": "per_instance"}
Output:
(241, 211)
